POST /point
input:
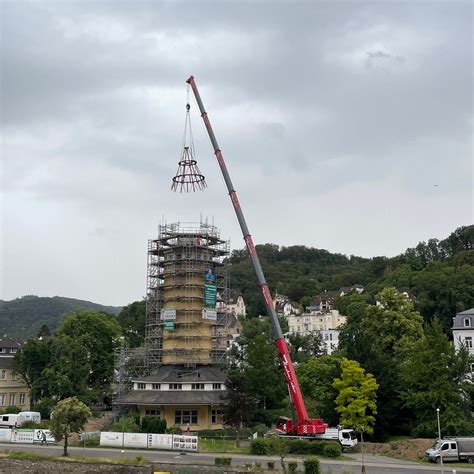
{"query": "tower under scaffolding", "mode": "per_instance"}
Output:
(186, 280)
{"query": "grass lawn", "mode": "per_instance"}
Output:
(219, 445)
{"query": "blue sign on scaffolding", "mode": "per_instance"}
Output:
(209, 276)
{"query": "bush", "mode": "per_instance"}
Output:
(10, 409)
(271, 465)
(222, 461)
(29, 425)
(292, 467)
(126, 424)
(174, 430)
(316, 447)
(259, 447)
(300, 446)
(332, 449)
(153, 424)
(311, 466)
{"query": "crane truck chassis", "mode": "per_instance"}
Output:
(303, 425)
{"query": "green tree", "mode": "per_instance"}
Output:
(132, 321)
(69, 416)
(316, 377)
(356, 401)
(240, 403)
(436, 376)
(279, 447)
(381, 339)
(44, 332)
(97, 333)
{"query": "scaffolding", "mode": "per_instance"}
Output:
(187, 286)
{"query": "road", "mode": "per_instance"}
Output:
(374, 464)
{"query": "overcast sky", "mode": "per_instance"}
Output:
(345, 126)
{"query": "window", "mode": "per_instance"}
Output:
(152, 412)
(3, 374)
(156, 386)
(183, 417)
(453, 445)
(445, 447)
(22, 399)
(468, 342)
(2, 350)
(467, 322)
(216, 386)
(13, 375)
(175, 386)
(197, 386)
(12, 398)
(2, 399)
(12, 351)
(141, 386)
(216, 417)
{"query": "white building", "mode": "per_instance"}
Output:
(326, 322)
(463, 332)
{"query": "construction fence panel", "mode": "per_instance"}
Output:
(149, 440)
(5, 435)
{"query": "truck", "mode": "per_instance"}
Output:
(15, 420)
(301, 425)
(347, 438)
(451, 449)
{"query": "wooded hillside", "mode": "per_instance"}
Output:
(23, 317)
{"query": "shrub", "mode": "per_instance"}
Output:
(127, 424)
(300, 446)
(258, 447)
(316, 447)
(292, 467)
(153, 424)
(174, 430)
(222, 461)
(11, 409)
(311, 466)
(332, 450)
(271, 465)
(29, 425)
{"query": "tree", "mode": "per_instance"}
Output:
(279, 447)
(436, 376)
(69, 416)
(316, 377)
(132, 320)
(356, 401)
(44, 332)
(380, 338)
(98, 334)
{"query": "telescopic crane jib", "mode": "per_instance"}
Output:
(304, 426)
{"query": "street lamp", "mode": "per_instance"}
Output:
(439, 440)
(362, 470)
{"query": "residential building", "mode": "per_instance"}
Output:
(13, 391)
(284, 306)
(235, 305)
(188, 398)
(325, 322)
(463, 332)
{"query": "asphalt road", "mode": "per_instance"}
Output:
(373, 464)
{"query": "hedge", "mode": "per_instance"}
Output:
(330, 449)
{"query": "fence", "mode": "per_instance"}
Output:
(28, 436)
(149, 441)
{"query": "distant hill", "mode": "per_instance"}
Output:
(23, 317)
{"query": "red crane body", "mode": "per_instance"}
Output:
(304, 425)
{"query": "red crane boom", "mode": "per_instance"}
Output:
(304, 425)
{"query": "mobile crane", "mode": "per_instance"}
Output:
(303, 425)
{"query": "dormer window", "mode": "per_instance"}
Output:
(467, 322)
(197, 386)
(175, 386)
(141, 386)
(156, 386)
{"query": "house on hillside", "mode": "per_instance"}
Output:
(284, 306)
(347, 290)
(463, 332)
(190, 398)
(325, 322)
(13, 391)
(236, 305)
(322, 302)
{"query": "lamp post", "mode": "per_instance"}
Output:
(439, 439)
(362, 470)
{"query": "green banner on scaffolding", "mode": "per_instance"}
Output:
(210, 295)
